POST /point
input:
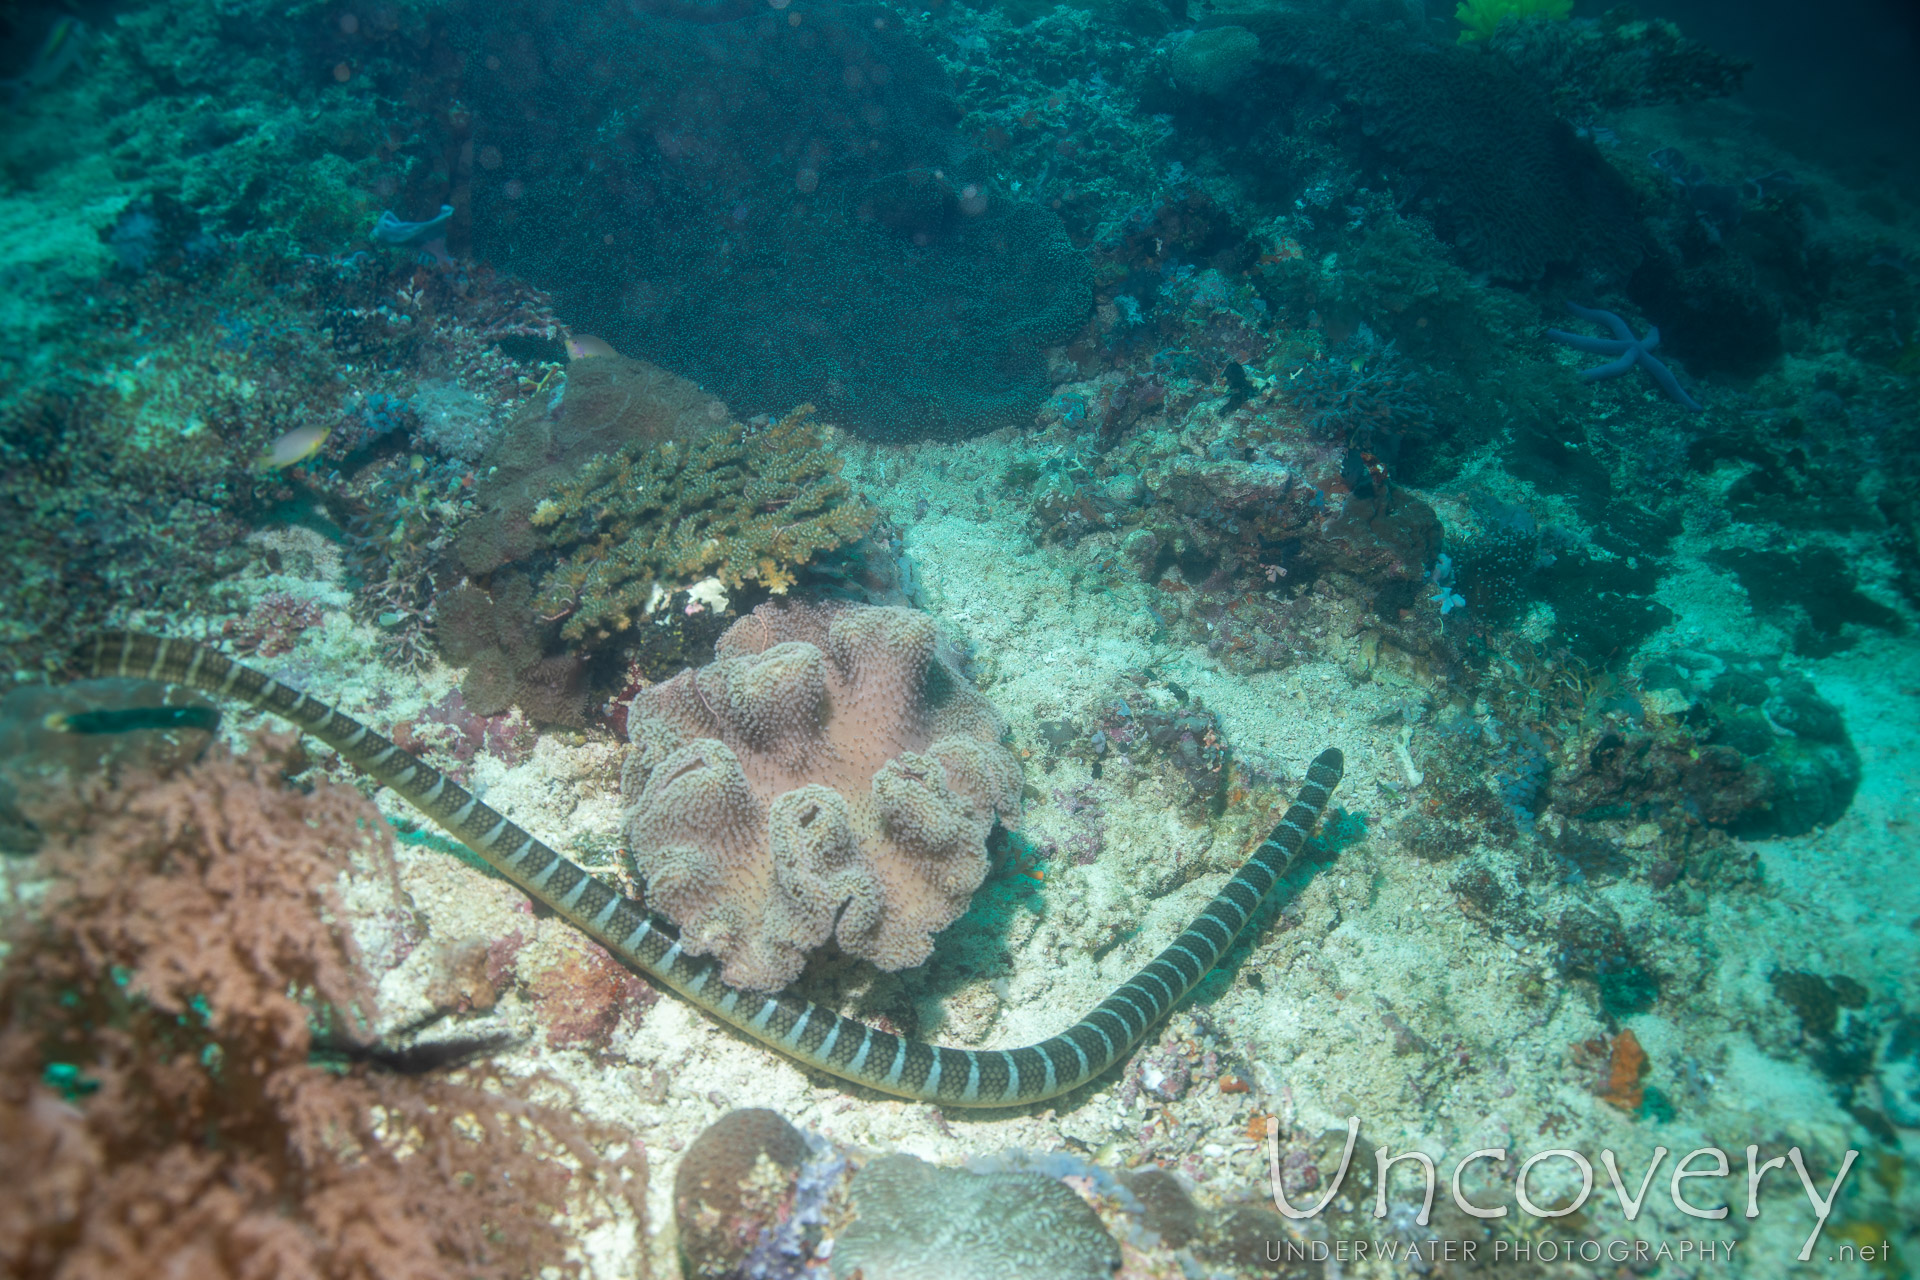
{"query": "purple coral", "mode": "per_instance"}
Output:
(828, 775)
(453, 726)
(1087, 826)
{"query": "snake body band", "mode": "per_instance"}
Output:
(799, 1028)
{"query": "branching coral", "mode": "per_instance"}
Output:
(829, 775)
(158, 1110)
(742, 505)
(1362, 395)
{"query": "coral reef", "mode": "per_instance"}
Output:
(157, 1101)
(1769, 723)
(1087, 830)
(829, 775)
(1841, 1038)
(1497, 566)
(756, 1199)
(1593, 944)
(145, 456)
(1621, 1063)
(1816, 1000)
(633, 478)
(1622, 60)
(986, 1226)
(1363, 395)
(1499, 175)
(586, 996)
(740, 505)
(854, 254)
(1310, 470)
(142, 460)
(273, 626)
(734, 1188)
(452, 728)
(1247, 556)
(1480, 19)
(499, 637)
(1186, 736)
(1214, 60)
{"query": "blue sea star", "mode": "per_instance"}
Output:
(1627, 351)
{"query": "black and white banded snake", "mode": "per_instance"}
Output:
(801, 1029)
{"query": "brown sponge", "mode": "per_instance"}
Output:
(830, 774)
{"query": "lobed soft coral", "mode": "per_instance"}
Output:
(741, 505)
(159, 1112)
(829, 775)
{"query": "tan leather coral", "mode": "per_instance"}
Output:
(829, 774)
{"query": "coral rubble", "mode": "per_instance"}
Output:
(987, 1225)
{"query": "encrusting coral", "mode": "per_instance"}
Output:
(743, 505)
(160, 1113)
(916, 1221)
(829, 774)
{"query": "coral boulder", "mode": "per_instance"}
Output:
(829, 774)
(733, 1189)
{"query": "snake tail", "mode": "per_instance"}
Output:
(799, 1028)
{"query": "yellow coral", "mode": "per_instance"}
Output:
(739, 505)
(1482, 18)
(774, 576)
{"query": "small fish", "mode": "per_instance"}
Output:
(583, 346)
(294, 447)
(66, 38)
(1240, 388)
(133, 719)
(391, 229)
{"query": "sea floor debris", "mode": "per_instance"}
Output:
(1263, 452)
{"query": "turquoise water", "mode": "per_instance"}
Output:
(906, 494)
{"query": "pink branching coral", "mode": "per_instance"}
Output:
(829, 775)
(159, 1114)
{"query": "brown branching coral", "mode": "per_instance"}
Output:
(742, 505)
(828, 775)
(158, 1107)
